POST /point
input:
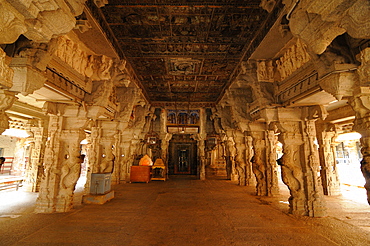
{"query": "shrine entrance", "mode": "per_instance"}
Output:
(182, 155)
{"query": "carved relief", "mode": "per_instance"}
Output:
(291, 171)
(72, 54)
(300, 165)
(265, 71)
(293, 58)
(271, 166)
(258, 165)
(326, 137)
(6, 73)
(107, 159)
(34, 169)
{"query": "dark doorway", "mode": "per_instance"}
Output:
(182, 155)
(182, 165)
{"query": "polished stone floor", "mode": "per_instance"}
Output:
(182, 211)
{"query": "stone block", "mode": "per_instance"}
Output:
(98, 199)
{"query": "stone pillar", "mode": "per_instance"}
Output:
(300, 164)
(201, 138)
(250, 179)
(264, 158)
(360, 103)
(103, 151)
(34, 169)
(230, 156)
(62, 167)
(70, 168)
(240, 158)
(259, 162)
(202, 159)
(271, 165)
(326, 135)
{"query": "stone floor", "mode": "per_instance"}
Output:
(182, 211)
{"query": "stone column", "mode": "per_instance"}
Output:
(240, 158)
(326, 135)
(230, 156)
(201, 138)
(69, 168)
(250, 179)
(34, 169)
(300, 164)
(259, 162)
(271, 165)
(360, 103)
(202, 159)
(62, 163)
(264, 159)
(291, 168)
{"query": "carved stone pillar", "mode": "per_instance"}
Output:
(202, 159)
(104, 139)
(316, 203)
(201, 138)
(230, 156)
(126, 160)
(291, 168)
(62, 167)
(259, 162)
(69, 168)
(250, 179)
(271, 165)
(300, 165)
(34, 169)
(117, 153)
(48, 187)
(240, 158)
(360, 103)
(326, 135)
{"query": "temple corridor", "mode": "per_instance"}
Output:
(186, 211)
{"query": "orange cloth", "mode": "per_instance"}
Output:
(145, 161)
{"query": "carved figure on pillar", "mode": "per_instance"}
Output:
(326, 135)
(230, 158)
(107, 161)
(258, 164)
(271, 167)
(291, 176)
(240, 159)
(249, 179)
(69, 174)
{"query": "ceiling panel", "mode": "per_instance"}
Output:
(183, 50)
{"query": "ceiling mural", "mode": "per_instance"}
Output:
(186, 51)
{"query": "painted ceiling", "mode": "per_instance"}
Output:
(187, 50)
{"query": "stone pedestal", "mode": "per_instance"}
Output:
(98, 199)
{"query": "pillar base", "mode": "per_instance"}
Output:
(98, 199)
